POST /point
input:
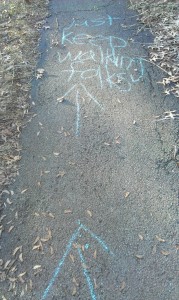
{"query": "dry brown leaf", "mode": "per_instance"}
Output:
(37, 267)
(160, 239)
(51, 216)
(8, 201)
(68, 211)
(140, 237)
(60, 99)
(22, 192)
(74, 291)
(95, 254)
(139, 256)
(1, 262)
(123, 285)
(36, 240)
(12, 279)
(13, 270)
(56, 153)
(37, 247)
(36, 214)
(95, 284)
(49, 233)
(72, 258)
(177, 246)
(30, 284)
(60, 174)
(17, 249)
(77, 246)
(21, 258)
(89, 213)
(75, 281)
(166, 253)
(51, 250)
(7, 264)
(126, 194)
(44, 240)
(10, 228)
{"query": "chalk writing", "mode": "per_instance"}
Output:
(74, 238)
(102, 61)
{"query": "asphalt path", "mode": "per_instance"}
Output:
(95, 204)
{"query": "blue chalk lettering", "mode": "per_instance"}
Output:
(77, 114)
(86, 274)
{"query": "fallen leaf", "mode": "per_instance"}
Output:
(51, 250)
(95, 254)
(68, 211)
(75, 281)
(107, 144)
(166, 253)
(40, 71)
(8, 201)
(60, 99)
(24, 191)
(36, 214)
(139, 256)
(12, 279)
(7, 264)
(51, 215)
(140, 237)
(74, 291)
(177, 246)
(123, 285)
(49, 233)
(60, 174)
(11, 228)
(126, 194)
(36, 240)
(56, 153)
(16, 249)
(160, 239)
(20, 257)
(37, 247)
(21, 274)
(76, 246)
(89, 213)
(72, 258)
(37, 267)
(95, 284)
(30, 284)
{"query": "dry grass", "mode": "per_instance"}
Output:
(20, 25)
(162, 17)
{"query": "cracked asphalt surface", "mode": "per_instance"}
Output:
(95, 203)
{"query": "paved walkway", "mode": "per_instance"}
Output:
(95, 204)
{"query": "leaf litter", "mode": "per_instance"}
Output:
(162, 18)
